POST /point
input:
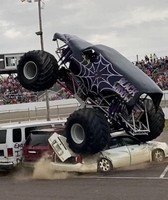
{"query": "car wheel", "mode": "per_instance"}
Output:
(87, 131)
(37, 70)
(104, 165)
(158, 155)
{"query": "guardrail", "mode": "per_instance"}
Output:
(37, 111)
(58, 109)
(164, 102)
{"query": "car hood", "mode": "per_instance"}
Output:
(156, 144)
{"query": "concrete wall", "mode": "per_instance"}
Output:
(37, 110)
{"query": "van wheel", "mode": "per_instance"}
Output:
(37, 70)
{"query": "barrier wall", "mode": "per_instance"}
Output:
(165, 95)
(58, 109)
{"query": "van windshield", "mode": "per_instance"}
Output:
(38, 139)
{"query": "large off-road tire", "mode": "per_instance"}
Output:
(37, 70)
(87, 131)
(156, 121)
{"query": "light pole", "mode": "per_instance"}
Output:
(40, 33)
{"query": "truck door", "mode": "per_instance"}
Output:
(139, 151)
(17, 140)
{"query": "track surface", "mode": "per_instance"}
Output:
(142, 182)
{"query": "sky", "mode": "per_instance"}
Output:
(132, 27)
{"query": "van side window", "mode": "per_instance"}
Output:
(2, 136)
(17, 136)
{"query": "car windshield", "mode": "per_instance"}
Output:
(38, 139)
(114, 143)
(130, 141)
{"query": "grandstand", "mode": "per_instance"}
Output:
(156, 68)
(11, 92)
(8, 62)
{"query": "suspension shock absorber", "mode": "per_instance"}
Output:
(115, 107)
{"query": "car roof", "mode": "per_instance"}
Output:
(30, 124)
(48, 130)
(43, 130)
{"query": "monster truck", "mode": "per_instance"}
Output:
(113, 93)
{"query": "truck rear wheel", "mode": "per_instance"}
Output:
(37, 70)
(87, 131)
(156, 121)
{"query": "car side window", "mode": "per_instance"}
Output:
(28, 130)
(114, 143)
(129, 141)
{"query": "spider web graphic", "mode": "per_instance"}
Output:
(97, 76)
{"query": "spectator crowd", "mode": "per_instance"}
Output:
(11, 92)
(156, 68)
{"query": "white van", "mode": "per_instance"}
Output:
(13, 137)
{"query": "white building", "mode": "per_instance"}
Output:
(9, 62)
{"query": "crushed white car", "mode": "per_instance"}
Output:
(123, 151)
(65, 159)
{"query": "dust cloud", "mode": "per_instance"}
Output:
(43, 170)
(22, 173)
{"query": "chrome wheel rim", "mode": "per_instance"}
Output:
(104, 165)
(30, 70)
(77, 133)
(158, 156)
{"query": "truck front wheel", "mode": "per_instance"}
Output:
(87, 131)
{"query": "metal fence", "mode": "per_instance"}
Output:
(36, 113)
(58, 110)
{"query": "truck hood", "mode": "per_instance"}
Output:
(126, 79)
